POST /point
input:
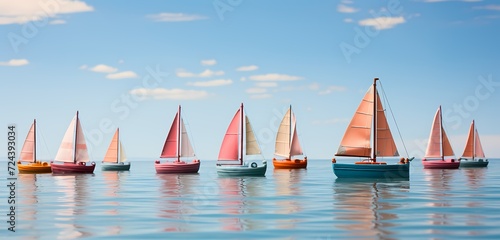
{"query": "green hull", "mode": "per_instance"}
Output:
(376, 171)
(115, 167)
(241, 170)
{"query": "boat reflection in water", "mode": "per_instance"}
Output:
(288, 192)
(440, 181)
(28, 201)
(367, 209)
(113, 181)
(176, 201)
(238, 203)
(71, 205)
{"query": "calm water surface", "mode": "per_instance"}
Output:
(286, 204)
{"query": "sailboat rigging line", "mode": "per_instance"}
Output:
(393, 118)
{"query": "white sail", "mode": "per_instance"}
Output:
(81, 152)
(186, 147)
(282, 146)
(252, 147)
(65, 152)
(123, 156)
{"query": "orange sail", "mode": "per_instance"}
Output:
(473, 148)
(229, 148)
(386, 147)
(356, 140)
(112, 153)
(28, 150)
(438, 145)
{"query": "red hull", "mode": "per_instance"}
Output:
(177, 167)
(72, 168)
(441, 164)
(289, 164)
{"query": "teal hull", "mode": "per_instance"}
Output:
(389, 171)
(473, 163)
(238, 171)
(115, 167)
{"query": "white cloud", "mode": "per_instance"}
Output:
(489, 7)
(57, 22)
(348, 20)
(207, 73)
(256, 90)
(122, 75)
(83, 67)
(23, 11)
(266, 84)
(175, 17)
(208, 62)
(274, 77)
(15, 63)
(243, 79)
(331, 89)
(314, 86)
(382, 23)
(346, 9)
(173, 94)
(247, 68)
(101, 68)
(212, 83)
(261, 96)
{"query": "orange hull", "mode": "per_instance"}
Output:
(289, 164)
(37, 167)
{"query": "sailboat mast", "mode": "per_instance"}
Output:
(374, 152)
(241, 134)
(179, 134)
(441, 132)
(473, 140)
(117, 145)
(76, 138)
(34, 141)
(290, 135)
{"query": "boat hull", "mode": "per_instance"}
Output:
(289, 164)
(376, 171)
(65, 168)
(115, 166)
(441, 164)
(241, 170)
(473, 163)
(177, 167)
(37, 167)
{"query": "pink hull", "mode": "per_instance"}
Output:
(72, 168)
(177, 167)
(441, 164)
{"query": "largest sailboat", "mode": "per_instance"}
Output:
(238, 142)
(369, 126)
(73, 156)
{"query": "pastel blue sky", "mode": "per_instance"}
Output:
(129, 64)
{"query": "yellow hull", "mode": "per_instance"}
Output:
(38, 167)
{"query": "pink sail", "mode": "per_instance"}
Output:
(73, 149)
(356, 140)
(28, 150)
(171, 143)
(81, 152)
(229, 148)
(478, 148)
(438, 145)
(112, 153)
(386, 147)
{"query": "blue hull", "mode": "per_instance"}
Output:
(389, 171)
(473, 163)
